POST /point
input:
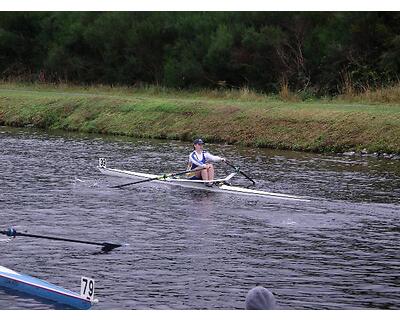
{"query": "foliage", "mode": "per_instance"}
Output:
(306, 53)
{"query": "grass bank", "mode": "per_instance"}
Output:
(236, 117)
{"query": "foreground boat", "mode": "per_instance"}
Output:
(218, 185)
(26, 284)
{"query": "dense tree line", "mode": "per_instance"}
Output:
(311, 52)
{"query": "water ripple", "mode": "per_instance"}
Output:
(197, 250)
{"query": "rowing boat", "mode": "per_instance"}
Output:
(33, 286)
(218, 185)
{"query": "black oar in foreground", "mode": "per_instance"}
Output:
(163, 177)
(106, 246)
(240, 171)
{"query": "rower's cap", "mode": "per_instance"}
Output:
(260, 298)
(198, 141)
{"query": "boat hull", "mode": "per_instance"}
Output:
(43, 289)
(198, 184)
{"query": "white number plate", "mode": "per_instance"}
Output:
(102, 162)
(87, 288)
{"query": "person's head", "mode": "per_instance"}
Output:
(260, 298)
(198, 144)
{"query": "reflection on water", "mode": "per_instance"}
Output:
(190, 249)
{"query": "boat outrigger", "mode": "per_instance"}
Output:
(11, 279)
(218, 185)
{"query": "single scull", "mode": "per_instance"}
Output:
(33, 286)
(218, 185)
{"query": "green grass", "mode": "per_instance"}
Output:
(232, 116)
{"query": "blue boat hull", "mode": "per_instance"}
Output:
(39, 288)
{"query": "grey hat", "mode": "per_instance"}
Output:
(260, 298)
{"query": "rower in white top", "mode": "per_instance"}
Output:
(200, 158)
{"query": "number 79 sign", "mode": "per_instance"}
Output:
(87, 288)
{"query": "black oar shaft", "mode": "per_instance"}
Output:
(13, 233)
(165, 176)
(136, 182)
(58, 239)
(240, 171)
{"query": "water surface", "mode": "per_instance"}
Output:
(190, 249)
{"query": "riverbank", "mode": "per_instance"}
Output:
(238, 117)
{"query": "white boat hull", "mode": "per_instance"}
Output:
(218, 186)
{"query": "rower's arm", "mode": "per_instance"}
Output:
(212, 158)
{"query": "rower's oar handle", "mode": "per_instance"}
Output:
(240, 171)
(11, 232)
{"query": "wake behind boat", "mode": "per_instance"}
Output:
(218, 185)
(33, 286)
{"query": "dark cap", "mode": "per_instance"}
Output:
(198, 141)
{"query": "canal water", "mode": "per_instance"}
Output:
(191, 249)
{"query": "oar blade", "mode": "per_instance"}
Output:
(107, 247)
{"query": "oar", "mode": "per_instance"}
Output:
(240, 171)
(163, 177)
(106, 246)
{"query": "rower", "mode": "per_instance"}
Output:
(200, 158)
